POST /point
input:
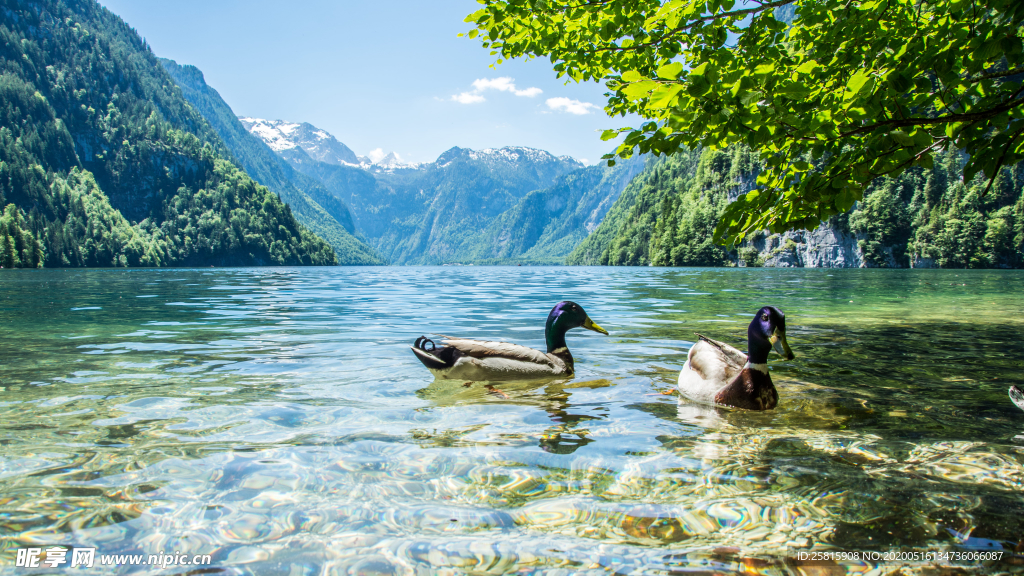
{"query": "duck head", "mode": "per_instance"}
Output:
(564, 317)
(767, 331)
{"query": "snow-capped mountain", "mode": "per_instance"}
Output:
(440, 211)
(319, 144)
(389, 163)
(507, 155)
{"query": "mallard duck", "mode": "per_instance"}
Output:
(465, 359)
(716, 373)
(1017, 395)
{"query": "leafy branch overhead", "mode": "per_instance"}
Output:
(832, 93)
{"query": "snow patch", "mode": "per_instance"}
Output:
(270, 132)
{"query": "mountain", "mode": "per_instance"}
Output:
(104, 163)
(461, 193)
(427, 213)
(302, 143)
(633, 232)
(546, 225)
(315, 207)
(923, 218)
(317, 144)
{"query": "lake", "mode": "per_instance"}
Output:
(277, 420)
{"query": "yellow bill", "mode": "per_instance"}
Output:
(780, 344)
(589, 325)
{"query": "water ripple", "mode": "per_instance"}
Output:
(275, 417)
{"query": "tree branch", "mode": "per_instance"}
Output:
(693, 23)
(974, 116)
(997, 75)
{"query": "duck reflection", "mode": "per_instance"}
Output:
(567, 432)
(703, 415)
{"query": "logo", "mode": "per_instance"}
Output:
(55, 557)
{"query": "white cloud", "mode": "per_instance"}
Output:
(571, 106)
(468, 98)
(529, 92)
(376, 155)
(502, 84)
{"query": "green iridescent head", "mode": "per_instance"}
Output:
(564, 317)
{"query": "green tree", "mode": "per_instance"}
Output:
(832, 93)
(884, 219)
(103, 163)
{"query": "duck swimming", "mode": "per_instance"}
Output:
(1017, 395)
(716, 373)
(465, 359)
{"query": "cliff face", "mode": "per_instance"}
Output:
(827, 247)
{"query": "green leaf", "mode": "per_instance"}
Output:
(639, 90)
(900, 81)
(902, 138)
(749, 96)
(670, 71)
(664, 96)
(808, 67)
(857, 83)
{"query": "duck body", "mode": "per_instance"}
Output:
(466, 359)
(717, 373)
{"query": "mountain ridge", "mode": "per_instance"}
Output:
(117, 169)
(431, 212)
(313, 205)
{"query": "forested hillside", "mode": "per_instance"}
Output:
(546, 225)
(315, 207)
(103, 163)
(925, 217)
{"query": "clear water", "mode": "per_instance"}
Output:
(276, 419)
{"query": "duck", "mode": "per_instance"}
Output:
(465, 359)
(1017, 396)
(717, 373)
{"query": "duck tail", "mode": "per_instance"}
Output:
(433, 357)
(708, 340)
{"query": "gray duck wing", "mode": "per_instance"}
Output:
(716, 360)
(490, 349)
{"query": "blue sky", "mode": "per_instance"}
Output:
(389, 75)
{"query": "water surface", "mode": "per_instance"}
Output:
(276, 420)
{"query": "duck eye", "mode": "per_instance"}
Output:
(764, 317)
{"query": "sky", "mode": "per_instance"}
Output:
(382, 76)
